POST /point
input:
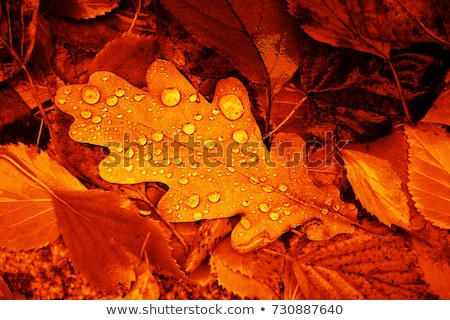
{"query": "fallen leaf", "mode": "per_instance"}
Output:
(429, 172)
(241, 272)
(378, 186)
(439, 111)
(18, 24)
(210, 155)
(5, 294)
(266, 33)
(106, 238)
(145, 287)
(82, 9)
(359, 266)
(27, 219)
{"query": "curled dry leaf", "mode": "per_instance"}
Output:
(82, 9)
(377, 185)
(18, 24)
(358, 266)
(27, 219)
(241, 272)
(211, 155)
(429, 172)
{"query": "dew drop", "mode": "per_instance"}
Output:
(119, 116)
(246, 224)
(231, 107)
(61, 101)
(328, 201)
(253, 180)
(209, 144)
(86, 114)
(193, 201)
(286, 212)
(198, 117)
(183, 181)
(245, 203)
(169, 175)
(274, 216)
(142, 140)
(128, 153)
(189, 128)
(214, 197)
(111, 101)
(120, 92)
(264, 207)
(170, 97)
(138, 97)
(324, 211)
(96, 119)
(336, 207)
(282, 187)
(268, 188)
(177, 161)
(197, 215)
(240, 136)
(215, 112)
(129, 168)
(67, 91)
(148, 157)
(90, 94)
(157, 136)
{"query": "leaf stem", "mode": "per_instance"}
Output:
(400, 91)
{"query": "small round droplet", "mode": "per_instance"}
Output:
(245, 203)
(128, 153)
(282, 187)
(120, 92)
(129, 168)
(142, 140)
(86, 114)
(214, 197)
(286, 212)
(111, 101)
(197, 215)
(274, 216)
(264, 207)
(189, 128)
(253, 180)
(90, 94)
(183, 181)
(231, 107)
(240, 136)
(67, 91)
(336, 207)
(193, 201)
(177, 160)
(119, 116)
(209, 144)
(268, 189)
(324, 211)
(61, 101)
(138, 97)
(198, 117)
(96, 119)
(193, 98)
(170, 97)
(246, 224)
(328, 201)
(157, 136)
(215, 112)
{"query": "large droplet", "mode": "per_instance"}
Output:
(111, 101)
(274, 216)
(231, 107)
(245, 223)
(264, 207)
(183, 181)
(170, 97)
(128, 153)
(197, 215)
(189, 128)
(90, 94)
(157, 136)
(96, 119)
(282, 187)
(85, 114)
(240, 136)
(214, 197)
(120, 92)
(193, 201)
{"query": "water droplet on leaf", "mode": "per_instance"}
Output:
(170, 97)
(245, 223)
(183, 181)
(274, 216)
(231, 107)
(264, 207)
(193, 201)
(90, 94)
(86, 114)
(240, 136)
(189, 128)
(214, 197)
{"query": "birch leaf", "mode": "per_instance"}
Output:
(211, 155)
(359, 266)
(377, 185)
(27, 218)
(429, 172)
(241, 272)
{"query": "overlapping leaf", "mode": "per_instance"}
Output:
(429, 172)
(241, 272)
(209, 154)
(27, 218)
(378, 187)
(359, 266)
(82, 9)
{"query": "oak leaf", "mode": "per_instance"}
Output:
(210, 155)
(429, 172)
(358, 266)
(378, 186)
